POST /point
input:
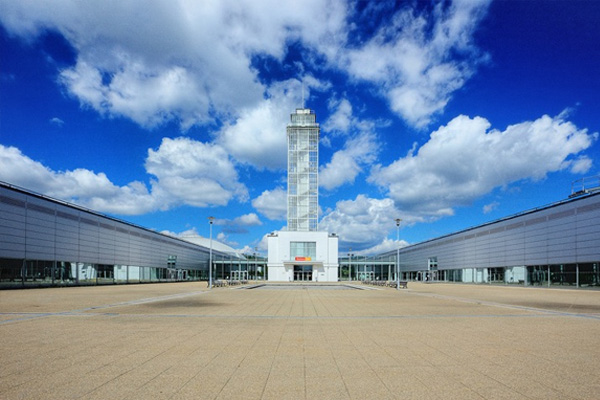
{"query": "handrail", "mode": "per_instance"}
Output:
(586, 185)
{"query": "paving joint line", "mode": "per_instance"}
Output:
(82, 311)
(510, 306)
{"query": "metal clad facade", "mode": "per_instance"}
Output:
(564, 233)
(12, 220)
(588, 232)
(47, 234)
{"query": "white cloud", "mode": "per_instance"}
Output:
(187, 172)
(187, 233)
(223, 238)
(342, 119)
(383, 247)
(464, 160)
(241, 221)
(263, 244)
(272, 204)
(147, 95)
(581, 165)
(190, 62)
(220, 241)
(419, 60)
(258, 136)
(488, 208)
(57, 121)
(362, 222)
(248, 220)
(360, 149)
(346, 164)
(195, 173)
(93, 190)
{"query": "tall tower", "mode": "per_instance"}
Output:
(303, 171)
(302, 253)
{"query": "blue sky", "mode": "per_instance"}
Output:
(444, 114)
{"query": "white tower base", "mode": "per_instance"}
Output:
(302, 256)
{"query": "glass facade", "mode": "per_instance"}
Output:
(554, 245)
(303, 249)
(41, 273)
(568, 275)
(303, 168)
(46, 242)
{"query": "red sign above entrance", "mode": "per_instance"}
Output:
(302, 258)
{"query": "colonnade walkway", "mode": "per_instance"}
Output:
(180, 341)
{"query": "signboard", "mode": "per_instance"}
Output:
(302, 258)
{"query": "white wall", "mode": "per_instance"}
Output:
(475, 275)
(326, 253)
(515, 274)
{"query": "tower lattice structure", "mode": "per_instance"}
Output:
(303, 171)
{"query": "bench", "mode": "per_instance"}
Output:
(218, 283)
(392, 284)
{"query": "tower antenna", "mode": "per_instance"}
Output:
(303, 94)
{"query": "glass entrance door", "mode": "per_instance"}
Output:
(302, 272)
(366, 276)
(239, 275)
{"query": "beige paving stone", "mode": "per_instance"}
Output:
(180, 341)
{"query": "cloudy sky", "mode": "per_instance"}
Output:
(162, 113)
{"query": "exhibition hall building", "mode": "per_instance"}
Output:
(50, 242)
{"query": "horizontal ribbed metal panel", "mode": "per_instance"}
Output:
(564, 233)
(34, 227)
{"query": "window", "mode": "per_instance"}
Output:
(432, 263)
(303, 249)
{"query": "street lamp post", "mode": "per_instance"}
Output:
(350, 264)
(210, 221)
(255, 263)
(398, 220)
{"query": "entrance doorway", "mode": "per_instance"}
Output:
(239, 275)
(366, 276)
(303, 272)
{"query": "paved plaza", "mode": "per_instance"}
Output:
(180, 341)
